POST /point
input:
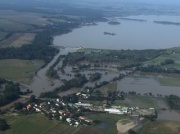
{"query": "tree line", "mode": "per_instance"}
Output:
(9, 92)
(128, 58)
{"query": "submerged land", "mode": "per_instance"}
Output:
(72, 89)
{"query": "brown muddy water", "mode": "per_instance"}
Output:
(41, 82)
(146, 85)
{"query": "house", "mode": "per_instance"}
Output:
(68, 120)
(29, 106)
(61, 112)
(82, 118)
(38, 110)
(57, 100)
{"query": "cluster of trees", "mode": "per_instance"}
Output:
(156, 69)
(52, 73)
(94, 77)
(128, 58)
(10, 92)
(3, 125)
(167, 61)
(39, 49)
(173, 101)
(77, 82)
(49, 94)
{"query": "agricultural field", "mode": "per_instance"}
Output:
(107, 123)
(21, 124)
(19, 70)
(27, 38)
(61, 128)
(161, 127)
(9, 26)
(26, 124)
(173, 54)
(112, 86)
(24, 17)
(18, 39)
(169, 81)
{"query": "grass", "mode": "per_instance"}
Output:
(29, 124)
(169, 81)
(109, 119)
(161, 58)
(18, 39)
(24, 17)
(8, 25)
(19, 70)
(27, 38)
(61, 128)
(112, 86)
(39, 124)
(161, 127)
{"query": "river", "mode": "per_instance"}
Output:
(129, 34)
(40, 82)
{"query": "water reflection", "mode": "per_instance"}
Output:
(146, 85)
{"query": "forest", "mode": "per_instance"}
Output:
(173, 101)
(127, 58)
(9, 91)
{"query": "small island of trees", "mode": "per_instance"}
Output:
(114, 23)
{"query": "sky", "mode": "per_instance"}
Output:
(155, 1)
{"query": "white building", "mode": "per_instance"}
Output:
(83, 104)
(116, 111)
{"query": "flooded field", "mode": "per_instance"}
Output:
(146, 85)
(169, 115)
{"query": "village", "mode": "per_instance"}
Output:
(73, 113)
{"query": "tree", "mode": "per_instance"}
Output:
(3, 125)
(18, 106)
(32, 99)
(131, 131)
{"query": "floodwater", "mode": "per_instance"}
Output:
(169, 115)
(129, 34)
(40, 82)
(146, 85)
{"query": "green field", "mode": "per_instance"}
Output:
(171, 55)
(112, 86)
(12, 26)
(161, 127)
(24, 17)
(61, 128)
(169, 81)
(109, 121)
(29, 124)
(19, 70)
(39, 124)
